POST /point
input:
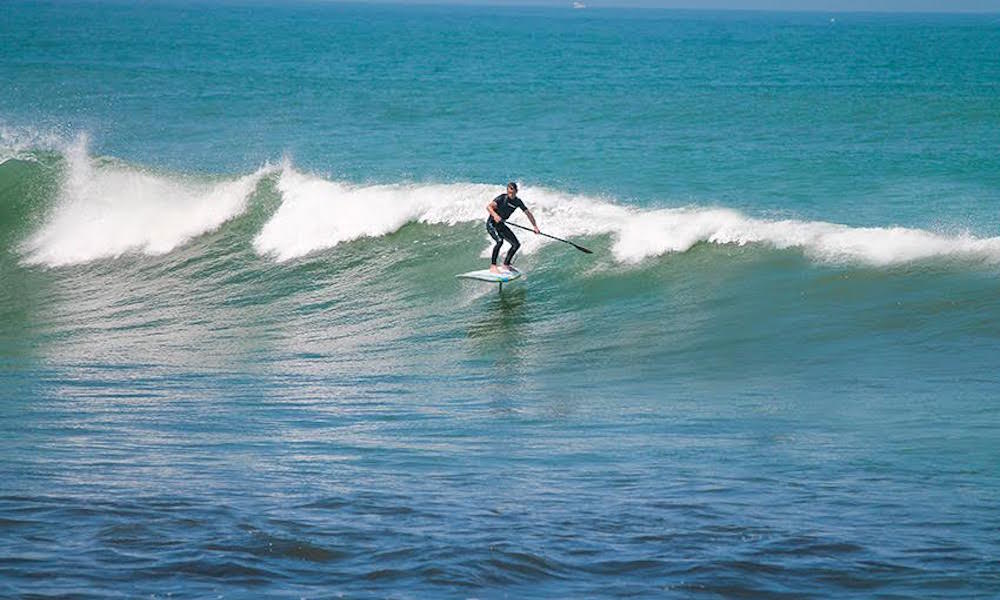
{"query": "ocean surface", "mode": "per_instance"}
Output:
(235, 361)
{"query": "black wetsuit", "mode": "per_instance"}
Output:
(499, 231)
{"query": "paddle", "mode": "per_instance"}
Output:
(580, 248)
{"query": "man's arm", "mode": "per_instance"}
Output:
(492, 208)
(531, 218)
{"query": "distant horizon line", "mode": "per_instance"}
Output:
(569, 5)
(601, 5)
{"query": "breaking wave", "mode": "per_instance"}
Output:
(105, 209)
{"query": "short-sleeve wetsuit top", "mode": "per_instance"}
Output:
(506, 206)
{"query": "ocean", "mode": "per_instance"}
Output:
(235, 361)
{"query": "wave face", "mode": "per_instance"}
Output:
(105, 209)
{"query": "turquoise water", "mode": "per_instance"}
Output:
(234, 360)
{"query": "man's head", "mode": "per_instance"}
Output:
(511, 189)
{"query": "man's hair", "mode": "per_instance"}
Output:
(512, 184)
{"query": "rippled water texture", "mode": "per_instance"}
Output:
(235, 361)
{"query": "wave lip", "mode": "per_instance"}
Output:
(317, 214)
(643, 235)
(105, 211)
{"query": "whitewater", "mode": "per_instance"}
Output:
(106, 208)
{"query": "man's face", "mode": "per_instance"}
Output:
(511, 191)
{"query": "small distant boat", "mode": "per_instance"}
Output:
(579, 5)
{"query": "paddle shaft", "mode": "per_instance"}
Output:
(578, 247)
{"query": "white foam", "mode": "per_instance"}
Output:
(105, 211)
(317, 214)
(679, 229)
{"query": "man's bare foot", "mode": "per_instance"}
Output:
(510, 269)
(495, 269)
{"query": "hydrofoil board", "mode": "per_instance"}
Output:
(487, 275)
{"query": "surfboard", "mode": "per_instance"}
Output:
(486, 275)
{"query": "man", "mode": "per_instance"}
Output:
(500, 209)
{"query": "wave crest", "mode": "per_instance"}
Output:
(105, 211)
(317, 214)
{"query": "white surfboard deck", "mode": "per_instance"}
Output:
(486, 275)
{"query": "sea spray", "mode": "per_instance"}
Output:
(106, 210)
(23, 143)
